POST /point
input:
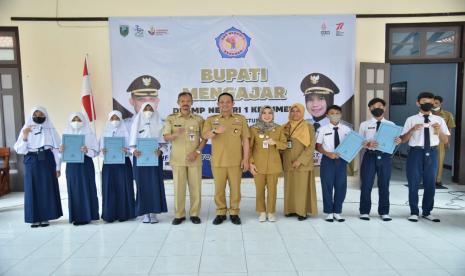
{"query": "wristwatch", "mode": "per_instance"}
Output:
(198, 151)
(214, 131)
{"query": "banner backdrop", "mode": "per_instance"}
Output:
(259, 59)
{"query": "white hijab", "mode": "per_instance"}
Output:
(145, 128)
(111, 131)
(90, 139)
(43, 134)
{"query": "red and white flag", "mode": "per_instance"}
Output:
(86, 94)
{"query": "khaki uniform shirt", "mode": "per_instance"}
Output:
(227, 146)
(447, 116)
(267, 158)
(188, 141)
(299, 152)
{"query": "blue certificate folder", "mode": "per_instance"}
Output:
(114, 150)
(385, 137)
(73, 144)
(147, 146)
(350, 146)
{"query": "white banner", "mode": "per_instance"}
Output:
(259, 59)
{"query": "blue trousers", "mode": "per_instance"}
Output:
(375, 163)
(333, 174)
(421, 165)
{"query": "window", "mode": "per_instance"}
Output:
(423, 41)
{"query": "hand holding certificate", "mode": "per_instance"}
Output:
(386, 135)
(350, 146)
(147, 148)
(72, 148)
(114, 153)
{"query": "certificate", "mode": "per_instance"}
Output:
(385, 137)
(147, 146)
(72, 152)
(114, 150)
(350, 146)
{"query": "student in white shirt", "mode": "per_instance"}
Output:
(423, 132)
(39, 141)
(333, 170)
(375, 163)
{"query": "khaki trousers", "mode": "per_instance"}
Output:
(232, 175)
(193, 177)
(441, 155)
(268, 182)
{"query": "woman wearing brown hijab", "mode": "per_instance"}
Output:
(299, 177)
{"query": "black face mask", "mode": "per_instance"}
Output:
(426, 107)
(377, 112)
(39, 120)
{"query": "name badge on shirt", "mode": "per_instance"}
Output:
(191, 137)
(289, 144)
(265, 144)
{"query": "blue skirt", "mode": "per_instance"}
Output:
(41, 191)
(117, 192)
(82, 191)
(150, 188)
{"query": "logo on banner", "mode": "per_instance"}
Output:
(339, 31)
(123, 30)
(233, 43)
(139, 32)
(324, 30)
(157, 32)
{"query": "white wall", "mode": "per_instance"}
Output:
(52, 53)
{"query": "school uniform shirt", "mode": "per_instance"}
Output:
(42, 135)
(90, 140)
(417, 138)
(325, 135)
(368, 128)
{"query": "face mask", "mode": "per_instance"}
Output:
(38, 120)
(115, 123)
(76, 125)
(437, 108)
(148, 114)
(377, 112)
(426, 107)
(335, 118)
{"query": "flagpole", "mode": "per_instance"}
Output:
(92, 112)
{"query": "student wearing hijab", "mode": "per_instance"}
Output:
(299, 177)
(266, 140)
(150, 199)
(82, 191)
(118, 201)
(39, 142)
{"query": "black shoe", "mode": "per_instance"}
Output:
(440, 186)
(290, 215)
(44, 224)
(219, 219)
(235, 219)
(35, 225)
(121, 220)
(177, 221)
(195, 220)
(301, 218)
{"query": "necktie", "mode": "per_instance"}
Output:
(378, 123)
(336, 137)
(316, 126)
(426, 134)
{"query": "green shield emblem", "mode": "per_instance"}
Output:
(124, 30)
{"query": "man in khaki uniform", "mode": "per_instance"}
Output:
(229, 133)
(184, 130)
(449, 119)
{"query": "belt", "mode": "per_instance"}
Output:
(37, 151)
(422, 148)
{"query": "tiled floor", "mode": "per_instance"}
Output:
(287, 247)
